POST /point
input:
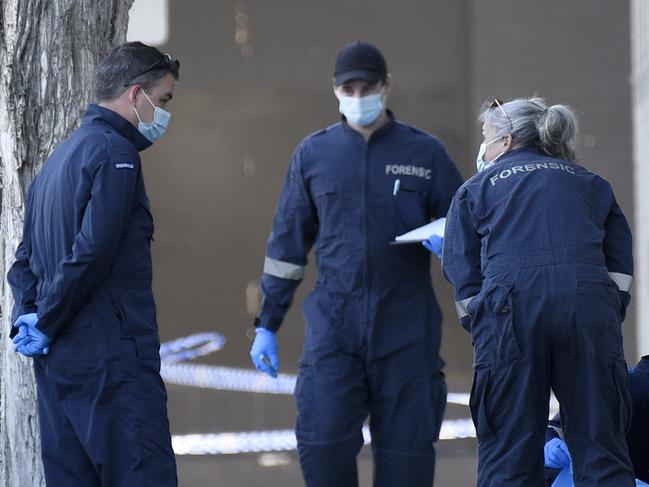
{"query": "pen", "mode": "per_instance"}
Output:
(395, 190)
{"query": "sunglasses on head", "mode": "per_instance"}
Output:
(498, 103)
(162, 62)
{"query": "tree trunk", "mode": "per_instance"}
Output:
(48, 52)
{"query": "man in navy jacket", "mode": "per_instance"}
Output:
(81, 282)
(373, 324)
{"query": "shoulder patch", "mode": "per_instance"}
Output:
(124, 165)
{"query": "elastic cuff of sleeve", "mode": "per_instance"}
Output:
(270, 326)
(264, 331)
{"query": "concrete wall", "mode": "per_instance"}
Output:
(256, 78)
(640, 92)
(575, 53)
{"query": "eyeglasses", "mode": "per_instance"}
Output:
(498, 103)
(162, 62)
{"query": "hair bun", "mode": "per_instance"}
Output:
(558, 132)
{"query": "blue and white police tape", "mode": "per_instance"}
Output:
(228, 378)
(191, 347)
(282, 440)
(174, 371)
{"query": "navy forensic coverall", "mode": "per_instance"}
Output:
(372, 322)
(540, 255)
(84, 265)
(637, 435)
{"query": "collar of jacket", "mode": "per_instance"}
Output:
(643, 364)
(520, 152)
(384, 129)
(119, 123)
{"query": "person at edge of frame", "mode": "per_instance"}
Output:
(556, 452)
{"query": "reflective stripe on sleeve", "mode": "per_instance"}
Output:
(285, 270)
(461, 307)
(623, 281)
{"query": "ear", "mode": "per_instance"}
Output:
(508, 142)
(388, 84)
(131, 93)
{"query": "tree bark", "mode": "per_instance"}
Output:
(48, 52)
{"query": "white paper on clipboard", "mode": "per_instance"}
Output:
(423, 233)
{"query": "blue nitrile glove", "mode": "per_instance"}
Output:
(30, 341)
(264, 352)
(556, 454)
(435, 244)
(23, 323)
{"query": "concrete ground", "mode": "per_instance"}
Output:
(455, 468)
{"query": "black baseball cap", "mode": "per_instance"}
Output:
(359, 60)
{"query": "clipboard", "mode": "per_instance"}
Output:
(422, 233)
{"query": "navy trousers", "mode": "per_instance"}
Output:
(540, 328)
(378, 358)
(102, 405)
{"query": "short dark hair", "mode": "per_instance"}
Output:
(133, 63)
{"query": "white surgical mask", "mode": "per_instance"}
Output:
(362, 110)
(155, 129)
(480, 163)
